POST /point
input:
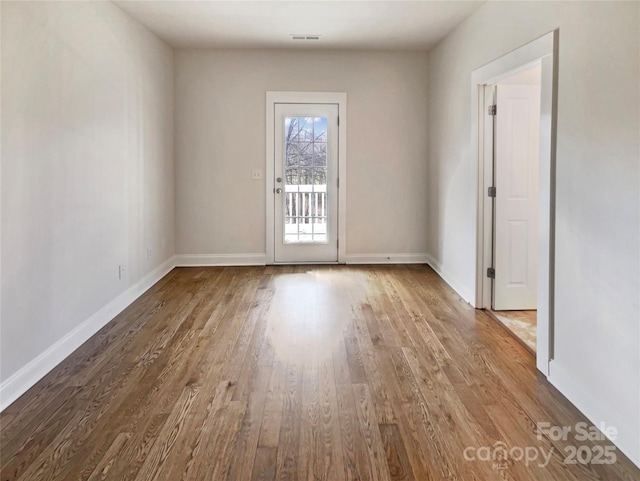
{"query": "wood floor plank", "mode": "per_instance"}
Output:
(382, 389)
(246, 447)
(418, 446)
(356, 361)
(247, 372)
(345, 373)
(290, 424)
(371, 433)
(274, 404)
(253, 376)
(264, 468)
(191, 446)
(329, 459)
(397, 459)
(373, 325)
(102, 470)
(354, 453)
(161, 450)
(309, 422)
(227, 431)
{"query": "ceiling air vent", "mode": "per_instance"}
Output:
(295, 36)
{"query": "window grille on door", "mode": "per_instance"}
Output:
(305, 175)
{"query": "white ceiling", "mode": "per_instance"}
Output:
(395, 24)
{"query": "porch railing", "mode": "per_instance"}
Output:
(306, 204)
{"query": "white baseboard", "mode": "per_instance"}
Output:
(454, 283)
(386, 259)
(204, 260)
(16, 385)
(627, 440)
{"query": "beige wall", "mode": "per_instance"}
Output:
(87, 167)
(220, 138)
(597, 349)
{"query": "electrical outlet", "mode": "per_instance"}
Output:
(120, 271)
(148, 253)
(256, 174)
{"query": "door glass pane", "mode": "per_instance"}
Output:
(305, 189)
(320, 129)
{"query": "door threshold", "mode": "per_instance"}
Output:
(512, 333)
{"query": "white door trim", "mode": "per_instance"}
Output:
(339, 98)
(545, 51)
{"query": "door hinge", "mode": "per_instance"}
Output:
(491, 273)
(338, 243)
(491, 191)
(338, 182)
(338, 121)
(492, 110)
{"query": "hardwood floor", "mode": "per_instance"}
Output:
(290, 373)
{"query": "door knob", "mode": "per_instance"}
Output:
(278, 190)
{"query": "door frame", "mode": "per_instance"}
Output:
(277, 97)
(545, 51)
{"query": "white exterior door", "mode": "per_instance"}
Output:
(517, 126)
(305, 183)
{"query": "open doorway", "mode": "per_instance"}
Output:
(541, 53)
(515, 113)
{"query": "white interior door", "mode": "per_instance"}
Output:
(517, 130)
(305, 183)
